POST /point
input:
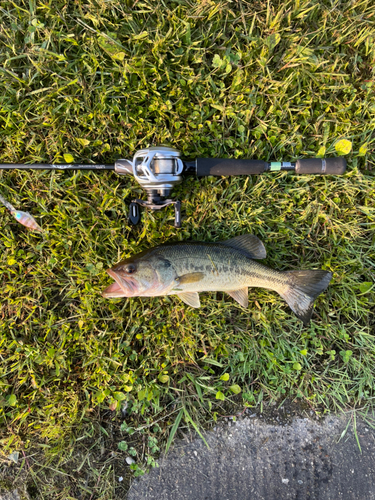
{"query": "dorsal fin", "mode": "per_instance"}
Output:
(248, 244)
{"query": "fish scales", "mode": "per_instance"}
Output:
(225, 268)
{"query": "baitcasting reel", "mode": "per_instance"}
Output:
(159, 169)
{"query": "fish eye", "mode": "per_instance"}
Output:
(130, 268)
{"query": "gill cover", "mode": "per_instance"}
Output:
(146, 276)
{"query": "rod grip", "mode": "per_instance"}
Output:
(321, 166)
(229, 166)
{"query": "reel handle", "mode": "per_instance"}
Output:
(135, 215)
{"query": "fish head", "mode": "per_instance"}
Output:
(140, 277)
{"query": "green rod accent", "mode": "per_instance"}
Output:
(275, 165)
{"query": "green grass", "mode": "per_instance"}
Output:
(100, 80)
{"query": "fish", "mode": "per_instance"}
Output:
(187, 268)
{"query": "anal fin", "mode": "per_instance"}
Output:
(190, 298)
(241, 296)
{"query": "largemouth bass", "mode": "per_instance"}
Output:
(187, 268)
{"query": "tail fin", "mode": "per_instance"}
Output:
(304, 287)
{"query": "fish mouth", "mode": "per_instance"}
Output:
(121, 287)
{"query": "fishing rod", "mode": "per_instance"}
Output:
(158, 169)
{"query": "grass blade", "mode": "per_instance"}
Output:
(188, 417)
(174, 429)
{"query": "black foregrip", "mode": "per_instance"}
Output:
(229, 166)
(321, 166)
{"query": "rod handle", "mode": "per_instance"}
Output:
(321, 166)
(229, 166)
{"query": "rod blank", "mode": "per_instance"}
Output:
(57, 166)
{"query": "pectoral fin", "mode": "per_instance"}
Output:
(190, 278)
(190, 298)
(241, 296)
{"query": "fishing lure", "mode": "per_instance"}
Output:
(23, 218)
